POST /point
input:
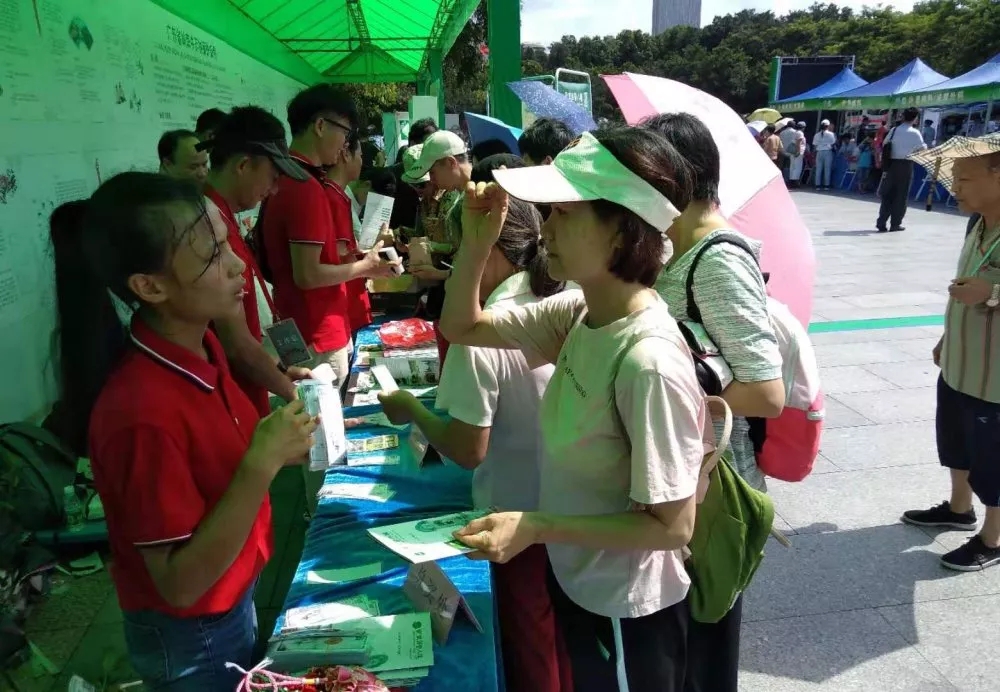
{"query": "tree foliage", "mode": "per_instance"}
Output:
(730, 58)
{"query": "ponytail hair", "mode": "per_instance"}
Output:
(125, 228)
(520, 244)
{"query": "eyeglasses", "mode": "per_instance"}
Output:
(349, 131)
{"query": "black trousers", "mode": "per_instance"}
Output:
(653, 648)
(713, 659)
(895, 192)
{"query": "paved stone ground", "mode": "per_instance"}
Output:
(860, 602)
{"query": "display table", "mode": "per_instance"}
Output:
(337, 543)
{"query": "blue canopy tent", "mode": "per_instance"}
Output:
(882, 93)
(979, 85)
(815, 98)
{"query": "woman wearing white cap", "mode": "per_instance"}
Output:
(623, 416)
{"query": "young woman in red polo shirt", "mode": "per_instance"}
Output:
(180, 460)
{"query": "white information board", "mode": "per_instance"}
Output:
(86, 89)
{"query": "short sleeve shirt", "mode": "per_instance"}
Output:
(588, 468)
(258, 395)
(167, 434)
(300, 212)
(972, 332)
(497, 389)
(358, 302)
(732, 299)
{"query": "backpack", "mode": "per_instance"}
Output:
(787, 446)
(732, 523)
(887, 146)
(35, 467)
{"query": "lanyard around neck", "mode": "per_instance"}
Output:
(979, 243)
(255, 273)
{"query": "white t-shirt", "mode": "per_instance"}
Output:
(824, 140)
(496, 388)
(906, 140)
(792, 141)
(588, 468)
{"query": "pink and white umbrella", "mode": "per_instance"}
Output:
(753, 194)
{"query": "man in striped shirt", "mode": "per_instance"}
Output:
(968, 410)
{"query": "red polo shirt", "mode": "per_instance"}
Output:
(167, 434)
(358, 305)
(300, 213)
(258, 395)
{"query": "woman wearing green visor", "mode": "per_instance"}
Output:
(623, 418)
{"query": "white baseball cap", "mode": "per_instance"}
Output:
(411, 162)
(825, 122)
(584, 172)
(439, 145)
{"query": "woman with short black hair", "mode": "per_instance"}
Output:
(623, 417)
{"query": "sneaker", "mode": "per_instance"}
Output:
(941, 516)
(897, 229)
(879, 229)
(971, 557)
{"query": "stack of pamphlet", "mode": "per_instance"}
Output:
(414, 367)
(363, 389)
(397, 648)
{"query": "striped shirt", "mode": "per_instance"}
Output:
(972, 333)
(731, 296)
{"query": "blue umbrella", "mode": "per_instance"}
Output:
(546, 102)
(483, 128)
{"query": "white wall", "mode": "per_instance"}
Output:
(73, 113)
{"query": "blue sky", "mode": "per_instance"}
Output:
(545, 21)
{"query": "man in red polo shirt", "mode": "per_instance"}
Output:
(339, 175)
(300, 235)
(301, 240)
(248, 156)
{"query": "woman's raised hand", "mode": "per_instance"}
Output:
(484, 211)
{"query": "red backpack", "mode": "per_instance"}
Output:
(787, 446)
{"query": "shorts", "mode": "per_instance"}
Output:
(968, 439)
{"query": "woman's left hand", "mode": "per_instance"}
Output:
(499, 537)
(971, 290)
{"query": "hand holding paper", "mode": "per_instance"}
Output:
(498, 537)
(378, 211)
(398, 406)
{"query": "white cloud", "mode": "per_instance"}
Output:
(545, 21)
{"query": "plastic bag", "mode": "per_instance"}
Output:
(408, 333)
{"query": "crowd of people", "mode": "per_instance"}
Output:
(877, 159)
(568, 387)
